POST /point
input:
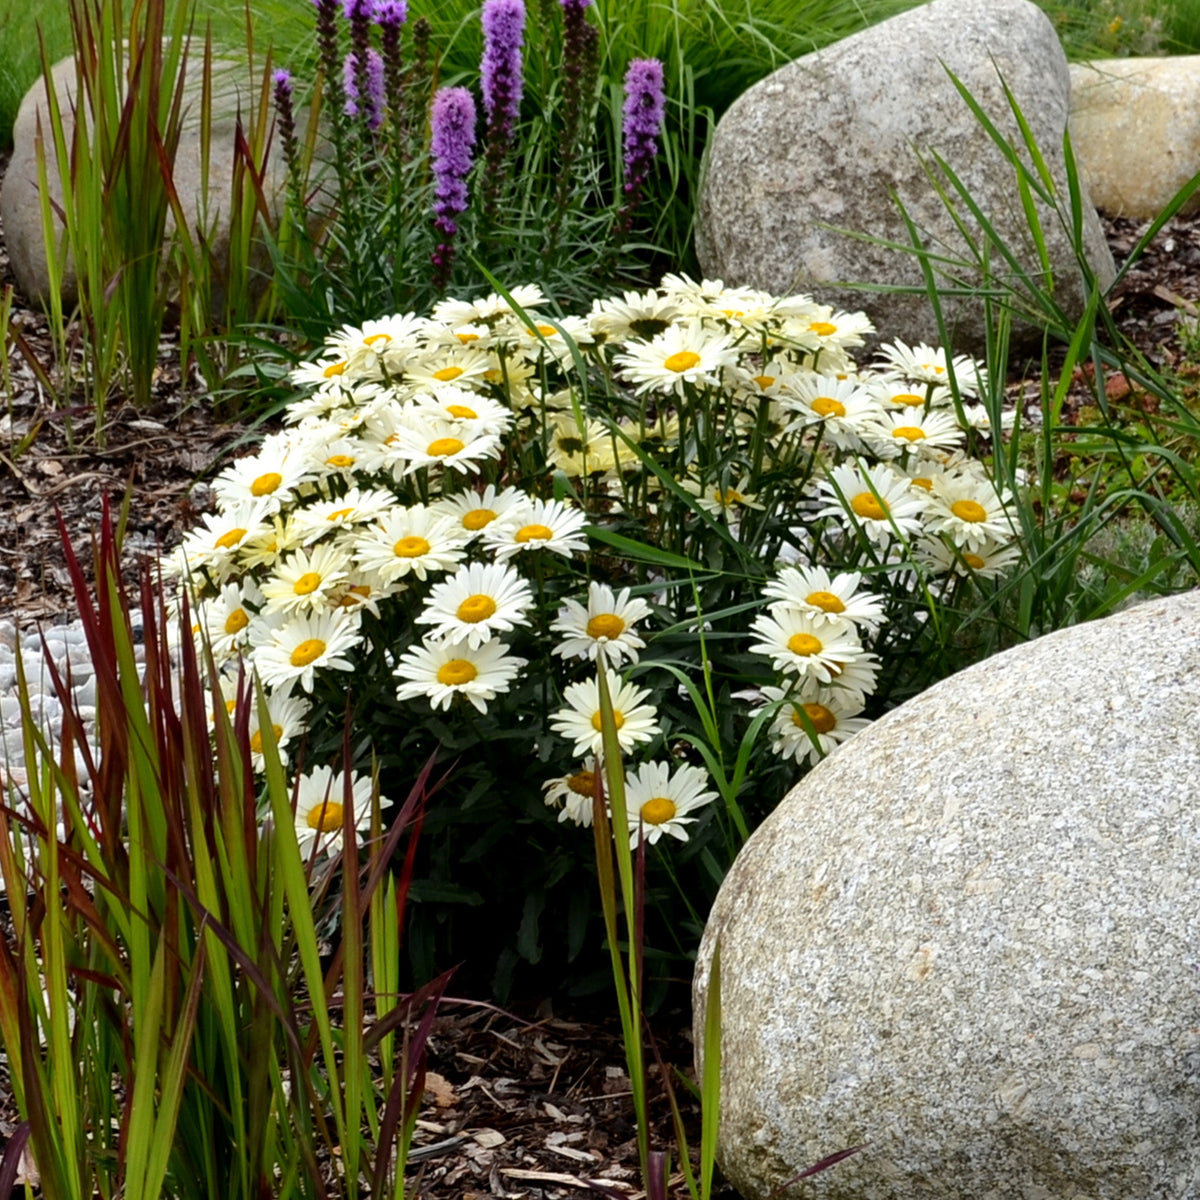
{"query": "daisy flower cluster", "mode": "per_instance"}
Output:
(431, 495)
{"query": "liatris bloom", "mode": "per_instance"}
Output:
(503, 31)
(390, 16)
(287, 119)
(645, 107)
(580, 63)
(327, 44)
(451, 143)
(372, 106)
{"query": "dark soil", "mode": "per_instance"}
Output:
(526, 1105)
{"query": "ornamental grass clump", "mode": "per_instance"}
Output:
(693, 491)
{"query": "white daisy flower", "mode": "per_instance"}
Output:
(353, 510)
(441, 670)
(408, 541)
(271, 475)
(573, 795)
(813, 729)
(851, 681)
(379, 347)
(632, 316)
(659, 802)
(841, 406)
(604, 630)
(969, 510)
(227, 618)
(723, 501)
(446, 444)
(304, 581)
(292, 653)
(986, 559)
(799, 643)
(287, 715)
(543, 339)
(320, 808)
(471, 512)
(458, 365)
(454, 313)
(977, 417)
(685, 353)
(477, 602)
(831, 598)
(893, 394)
(929, 364)
(537, 525)
(472, 411)
(874, 499)
(926, 433)
(836, 329)
(220, 534)
(580, 720)
(266, 545)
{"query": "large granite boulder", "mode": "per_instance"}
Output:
(1135, 129)
(20, 208)
(828, 139)
(971, 938)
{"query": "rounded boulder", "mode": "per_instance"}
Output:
(970, 940)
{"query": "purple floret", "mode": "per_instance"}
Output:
(360, 10)
(503, 35)
(374, 101)
(645, 107)
(391, 13)
(451, 142)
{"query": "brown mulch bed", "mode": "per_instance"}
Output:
(526, 1105)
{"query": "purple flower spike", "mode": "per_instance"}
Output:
(374, 75)
(282, 79)
(574, 5)
(451, 143)
(503, 34)
(359, 10)
(391, 14)
(645, 107)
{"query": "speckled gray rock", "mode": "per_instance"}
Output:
(20, 209)
(971, 938)
(1135, 129)
(828, 138)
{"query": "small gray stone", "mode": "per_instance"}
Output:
(1135, 129)
(971, 938)
(826, 141)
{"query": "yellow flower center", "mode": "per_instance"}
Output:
(823, 328)
(447, 373)
(256, 738)
(974, 562)
(534, 533)
(327, 817)
(493, 375)
(307, 652)
(827, 406)
(683, 360)
(765, 381)
(476, 608)
(582, 783)
(237, 621)
(605, 625)
(264, 485)
(825, 601)
(869, 506)
(230, 705)
(339, 514)
(911, 399)
(598, 724)
(411, 547)
(230, 538)
(477, 518)
(969, 510)
(339, 460)
(356, 593)
(377, 337)
(456, 672)
(462, 411)
(544, 330)
(658, 811)
(923, 483)
(337, 368)
(820, 717)
(307, 583)
(910, 433)
(804, 645)
(466, 338)
(444, 447)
